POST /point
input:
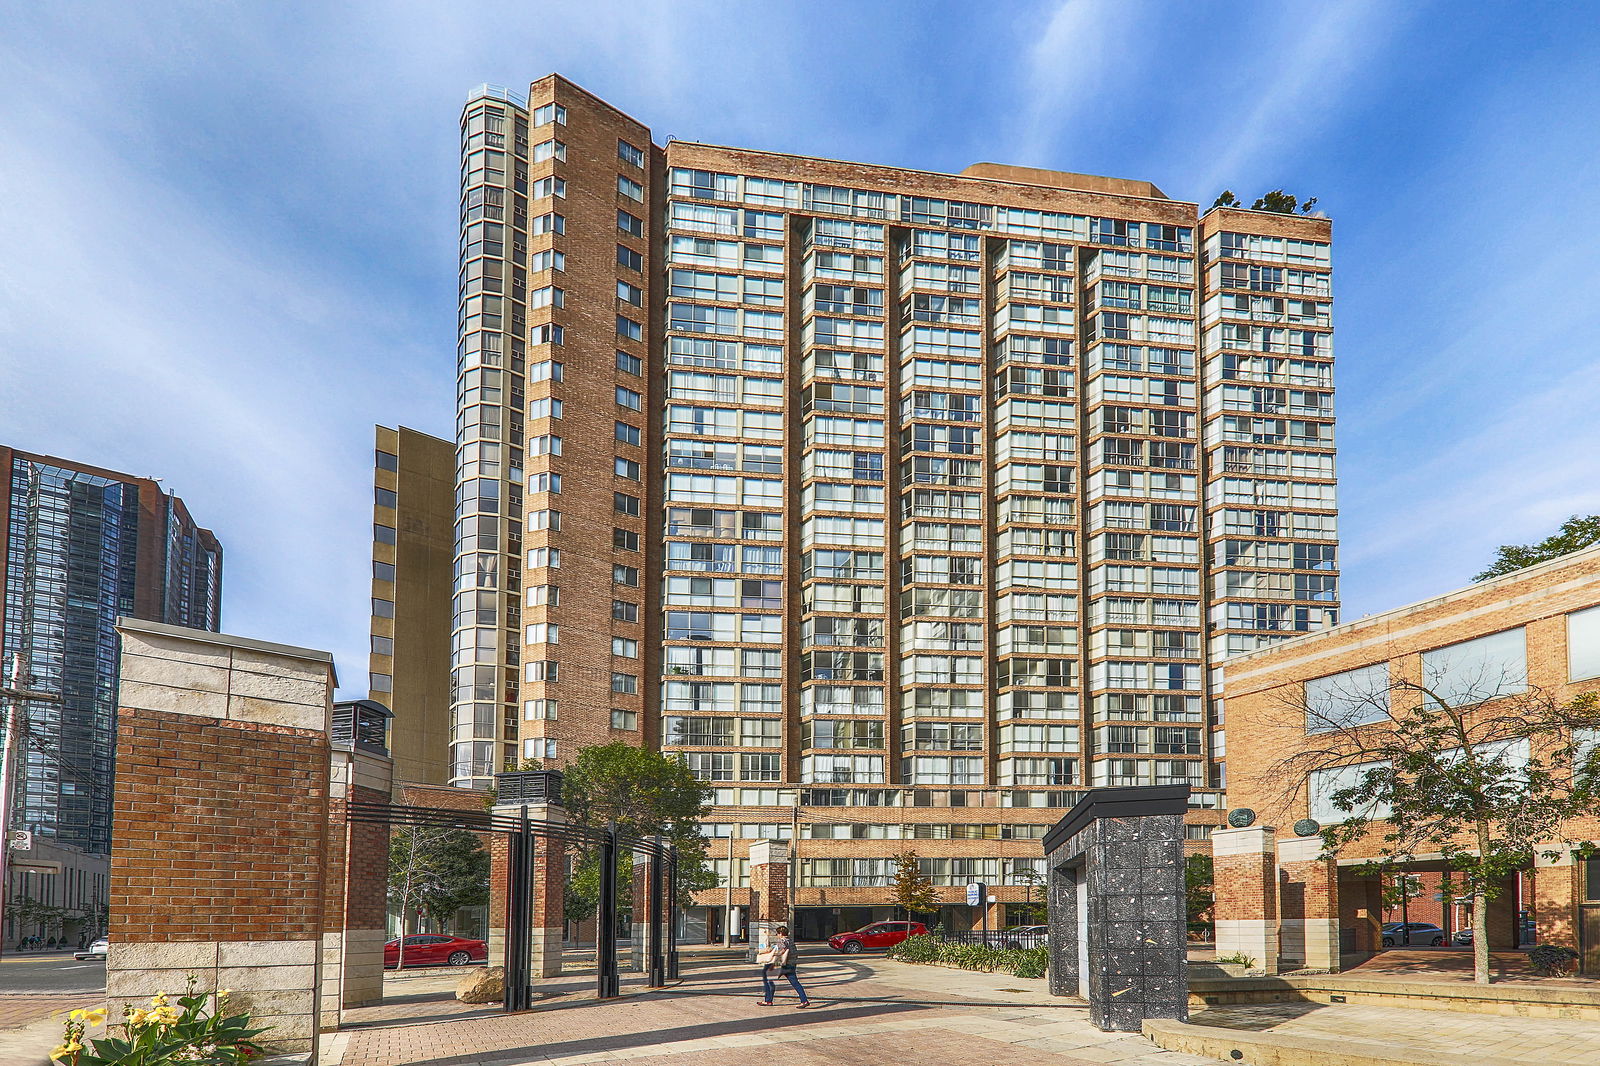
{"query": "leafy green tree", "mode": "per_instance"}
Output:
(645, 794)
(1575, 534)
(912, 890)
(1481, 774)
(1198, 891)
(1282, 203)
(1033, 885)
(437, 871)
(1227, 199)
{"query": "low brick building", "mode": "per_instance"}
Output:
(1537, 630)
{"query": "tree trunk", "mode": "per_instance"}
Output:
(1480, 914)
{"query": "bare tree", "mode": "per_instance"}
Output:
(1473, 765)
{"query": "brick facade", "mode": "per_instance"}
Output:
(1266, 723)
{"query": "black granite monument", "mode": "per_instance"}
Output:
(1118, 935)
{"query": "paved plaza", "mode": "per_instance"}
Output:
(866, 1010)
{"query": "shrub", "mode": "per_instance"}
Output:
(1019, 962)
(163, 1034)
(1553, 960)
(1238, 958)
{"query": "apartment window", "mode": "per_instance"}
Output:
(624, 684)
(627, 327)
(630, 155)
(629, 399)
(628, 649)
(629, 259)
(625, 539)
(629, 364)
(625, 504)
(624, 575)
(547, 670)
(543, 116)
(627, 468)
(1477, 670)
(539, 710)
(382, 571)
(630, 188)
(1352, 698)
(544, 633)
(543, 595)
(382, 608)
(761, 767)
(538, 558)
(385, 497)
(380, 682)
(623, 611)
(547, 187)
(710, 766)
(539, 262)
(382, 645)
(1323, 784)
(544, 519)
(1583, 644)
(630, 294)
(382, 534)
(630, 224)
(549, 150)
(621, 719)
(625, 433)
(387, 461)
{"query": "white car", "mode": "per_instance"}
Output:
(96, 950)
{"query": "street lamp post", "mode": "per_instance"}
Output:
(12, 697)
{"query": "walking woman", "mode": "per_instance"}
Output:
(780, 954)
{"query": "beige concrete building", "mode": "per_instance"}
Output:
(413, 543)
(1536, 632)
(904, 505)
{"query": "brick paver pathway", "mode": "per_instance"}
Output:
(1452, 1036)
(868, 1011)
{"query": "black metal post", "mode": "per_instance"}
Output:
(519, 917)
(605, 936)
(657, 956)
(672, 914)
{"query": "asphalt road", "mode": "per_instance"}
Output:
(50, 973)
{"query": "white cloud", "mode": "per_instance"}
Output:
(1067, 67)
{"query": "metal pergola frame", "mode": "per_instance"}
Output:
(522, 833)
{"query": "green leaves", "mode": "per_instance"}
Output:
(439, 870)
(1575, 534)
(912, 890)
(1021, 962)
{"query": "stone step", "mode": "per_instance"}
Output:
(1281, 1049)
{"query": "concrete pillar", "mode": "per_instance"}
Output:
(1555, 896)
(365, 883)
(499, 896)
(549, 890)
(1308, 905)
(219, 854)
(1245, 872)
(769, 891)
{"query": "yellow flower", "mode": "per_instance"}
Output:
(158, 1000)
(137, 1017)
(59, 1052)
(93, 1015)
(165, 1015)
(224, 993)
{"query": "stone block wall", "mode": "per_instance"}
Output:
(219, 859)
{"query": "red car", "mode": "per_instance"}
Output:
(433, 949)
(878, 935)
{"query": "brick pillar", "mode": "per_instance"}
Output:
(499, 846)
(769, 891)
(639, 956)
(219, 855)
(1245, 871)
(549, 891)
(1360, 900)
(1308, 904)
(364, 895)
(1555, 896)
(1502, 918)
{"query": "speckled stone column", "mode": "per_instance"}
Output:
(1116, 905)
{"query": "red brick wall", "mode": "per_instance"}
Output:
(770, 883)
(367, 868)
(222, 830)
(1246, 887)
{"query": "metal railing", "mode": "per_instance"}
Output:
(997, 938)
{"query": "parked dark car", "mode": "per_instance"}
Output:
(1025, 936)
(877, 936)
(434, 949)
(1421, 933)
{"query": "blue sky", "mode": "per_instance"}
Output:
(227, 232)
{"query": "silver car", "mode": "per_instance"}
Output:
(96, 950)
